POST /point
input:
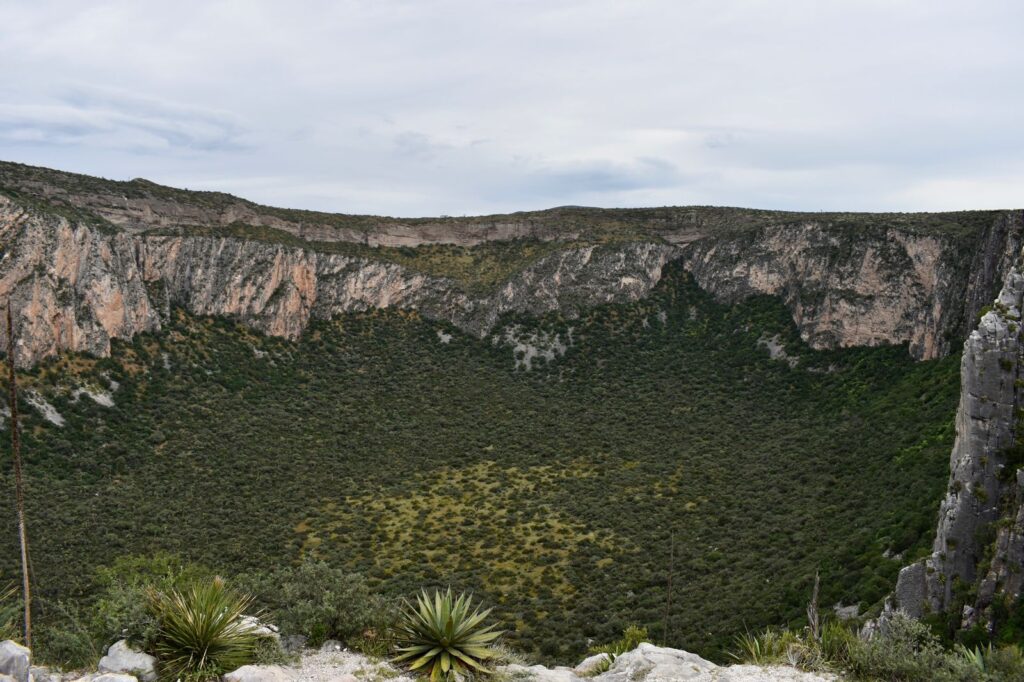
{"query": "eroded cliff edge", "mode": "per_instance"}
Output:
(976, 569)
(77, 280)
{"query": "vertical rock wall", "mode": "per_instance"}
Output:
(984, 482)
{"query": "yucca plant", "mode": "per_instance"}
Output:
(444, 636)
(200, 635)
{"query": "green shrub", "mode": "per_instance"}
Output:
(445, 638)
(770, 647)
(61, 637)
(200, 636)
(123, 610)
(321, 602)
(631, 638)
(907, 650)
(836, 643)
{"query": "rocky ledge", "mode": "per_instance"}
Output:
(332, 663)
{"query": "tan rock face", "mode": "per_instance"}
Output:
(76, 286)
(858, 289)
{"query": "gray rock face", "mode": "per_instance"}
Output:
(15, 660)
(657, 664)
(76, 286)
(979, 482)
(261, 673)
(114, 677)
(1006, 573)
(660, 664)
(107, 677)
(912, 590)
(121, 658)
(591, 664)
(539, 673)
(877, 288)
(44, 674)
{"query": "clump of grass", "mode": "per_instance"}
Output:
(905, 651)
(631, 638)
(201, 635)
(10, 608)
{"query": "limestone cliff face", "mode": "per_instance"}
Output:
(77, 283)
(75, 287)
(71, 287)
(863, 289)
(985, 484)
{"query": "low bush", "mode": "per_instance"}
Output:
(631, 638)
(122, 610)
(905, 651)
(323, 602)
(62, 636)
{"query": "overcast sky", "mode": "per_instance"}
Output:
(482, 106)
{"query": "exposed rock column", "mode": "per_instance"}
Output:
(986, 430)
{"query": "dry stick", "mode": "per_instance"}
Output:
(668, 602)
(813, 621)
(19, 491)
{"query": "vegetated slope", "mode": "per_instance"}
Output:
(378, 442)
(140, 205)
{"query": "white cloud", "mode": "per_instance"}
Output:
(452, 106)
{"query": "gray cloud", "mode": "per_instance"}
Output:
(452, 106)
(83, 118)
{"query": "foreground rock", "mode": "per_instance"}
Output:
(121, 658)
(647, 662)
(660, 664)
(78, 283)
(15, 660)
(341, 666)
(261, 673)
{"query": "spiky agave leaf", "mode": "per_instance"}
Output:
(10, 607)
(444, 636)
(201, 635)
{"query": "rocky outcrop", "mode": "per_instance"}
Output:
(661, 664)
(985, 482)
(647, 662)
(261, 673)
(880, 287)
(122, 658)
(78, 280)
(15, 660)
(74, 287)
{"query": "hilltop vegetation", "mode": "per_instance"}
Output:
(382, 446)
(85, 197)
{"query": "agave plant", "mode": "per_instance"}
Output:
(444, 636)
(201, 635)
(975, 657)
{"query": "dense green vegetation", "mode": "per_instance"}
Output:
(904, 650)
(551, 494)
